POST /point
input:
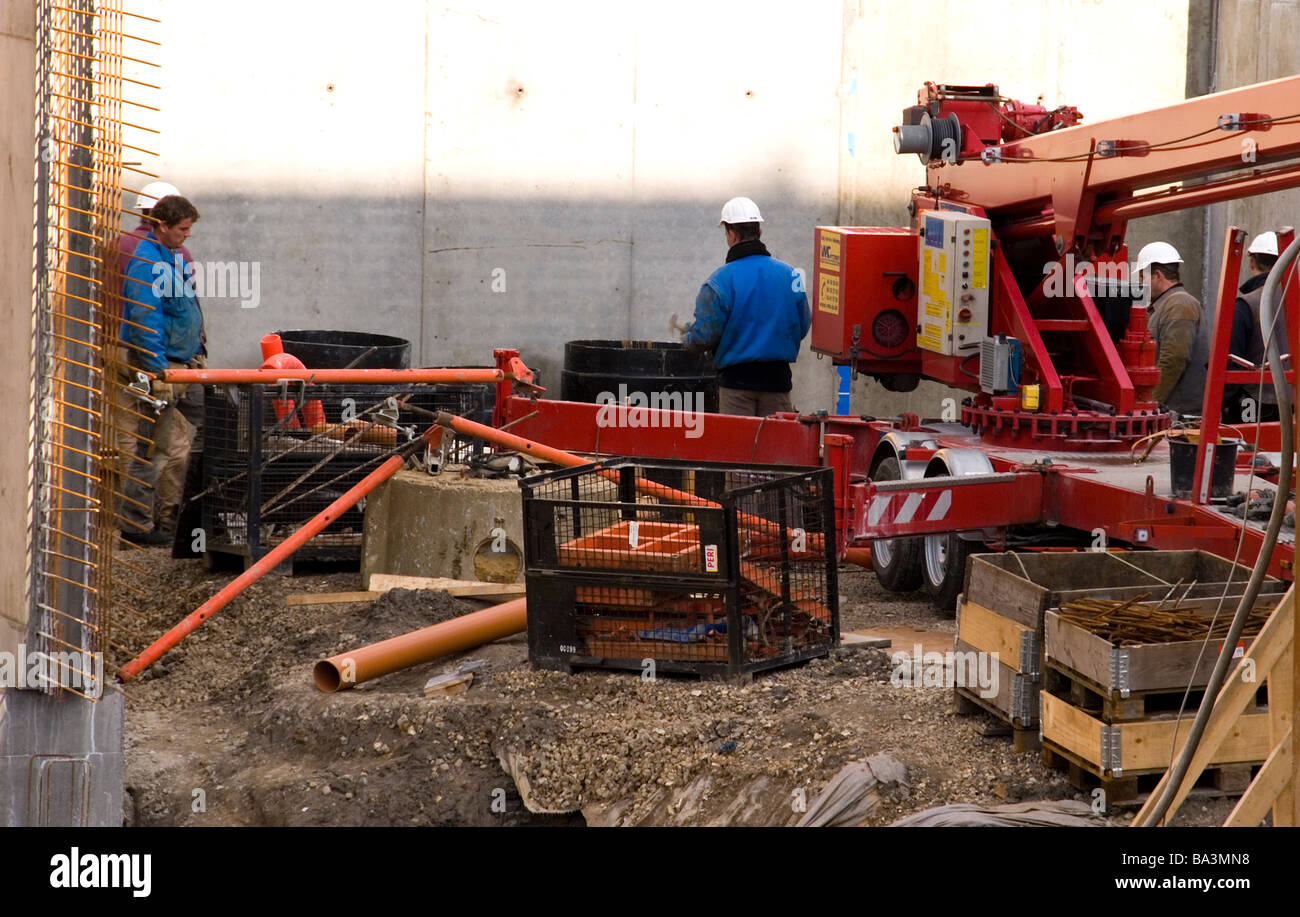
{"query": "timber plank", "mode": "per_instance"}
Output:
(990, 632)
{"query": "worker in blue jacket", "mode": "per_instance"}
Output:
(162, 328)
(752, 313)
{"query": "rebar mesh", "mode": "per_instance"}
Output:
(81, 90)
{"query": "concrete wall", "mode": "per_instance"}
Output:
(1255, 40)
(17, 200)
(506, 173)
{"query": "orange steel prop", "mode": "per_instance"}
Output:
(464, 633)
(263, 566)
(348, 376)
(568, 459)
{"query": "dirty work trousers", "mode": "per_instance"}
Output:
(151, 480)
(752, 404)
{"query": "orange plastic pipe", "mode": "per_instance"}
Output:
(263, 566)
(859, 556)
(347, 670)
(324, 376)
(568, 459)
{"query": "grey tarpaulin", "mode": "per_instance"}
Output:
(1064, 813)
(853, 792)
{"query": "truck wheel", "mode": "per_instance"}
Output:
(897, 561)
(944, 569)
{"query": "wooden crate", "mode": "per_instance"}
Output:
(1007, 597)
(1023, 585)
(1142, 747)
(1015, 703)
(1120, 671)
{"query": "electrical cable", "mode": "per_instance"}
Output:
(1268, 318)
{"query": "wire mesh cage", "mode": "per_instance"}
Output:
(708, 569)
(275, 456)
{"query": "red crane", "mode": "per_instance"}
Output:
(1011, 283)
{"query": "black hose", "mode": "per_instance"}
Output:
(1179, 770)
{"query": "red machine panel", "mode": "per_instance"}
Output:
(864, 297)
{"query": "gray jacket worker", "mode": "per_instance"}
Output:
(1180, 329)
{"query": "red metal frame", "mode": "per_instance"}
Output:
(1218, 376)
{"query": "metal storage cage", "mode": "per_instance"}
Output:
(275, 456)
(720, 572)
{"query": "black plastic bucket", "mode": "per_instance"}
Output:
(596, 368)
(1182, 468)
(337, 349)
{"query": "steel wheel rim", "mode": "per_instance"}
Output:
(936, 558)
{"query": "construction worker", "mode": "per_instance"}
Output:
(752, 313)
(162, 328)
(171, 455)
(1179, 328)
(1251, 403)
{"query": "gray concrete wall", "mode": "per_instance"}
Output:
(387, 170)
(17, 200)
(1256, 40)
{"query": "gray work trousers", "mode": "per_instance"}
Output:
(752, 404)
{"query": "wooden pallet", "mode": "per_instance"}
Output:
(1113, 707)
(1133, 789)
(1137, 747)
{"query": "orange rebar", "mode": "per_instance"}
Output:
(515, 443)
(263, 566)
(347, 670)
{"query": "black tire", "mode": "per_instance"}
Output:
(897, 561)
(943, 569)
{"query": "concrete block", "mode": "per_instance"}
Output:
(61, 760)
(445, 525)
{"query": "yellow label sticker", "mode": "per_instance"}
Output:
(828, 251)
(828, 294)
(979, 269)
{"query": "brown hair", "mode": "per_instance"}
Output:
(172, 209)
(745, 231)
(1167, 271)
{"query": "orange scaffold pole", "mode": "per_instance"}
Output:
(569, 460)
(263, 566)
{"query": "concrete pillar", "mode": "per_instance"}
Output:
(17, 310)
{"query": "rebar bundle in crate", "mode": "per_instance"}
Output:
(709, 569)
(275, 456)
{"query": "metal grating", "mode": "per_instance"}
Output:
(708, 569)
(88, 111)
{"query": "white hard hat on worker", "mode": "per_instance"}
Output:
(1264, 244)
(740, 210)
(152, 193)
(1157, 253)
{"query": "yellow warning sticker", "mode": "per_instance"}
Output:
(828, 294)
(979, 269)
(828, 251)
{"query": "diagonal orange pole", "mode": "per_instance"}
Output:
(262, 567)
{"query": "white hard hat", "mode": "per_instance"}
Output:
(1157, 253)
(152, 193)
(740, 210)
(1265, 244)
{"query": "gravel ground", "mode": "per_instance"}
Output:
(228, 728)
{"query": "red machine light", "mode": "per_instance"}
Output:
(890, 328)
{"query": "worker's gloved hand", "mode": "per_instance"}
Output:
(199, 361)
(164, 391)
